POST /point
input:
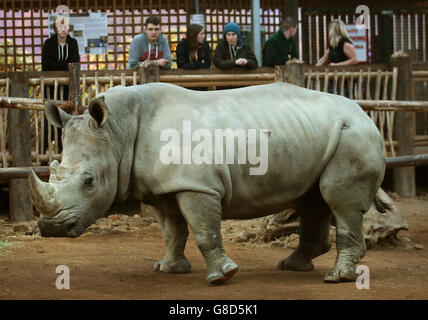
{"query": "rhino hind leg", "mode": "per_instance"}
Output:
(350, 246)
(348, 208)
(203, 214)
(175, 232)
(349, 184)
(314, 229)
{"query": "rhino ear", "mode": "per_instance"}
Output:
(98, 111)
(55, 115)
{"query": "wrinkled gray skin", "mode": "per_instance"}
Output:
(325, 158)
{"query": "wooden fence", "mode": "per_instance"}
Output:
(363, 82)
(420, 92)
(374, 87)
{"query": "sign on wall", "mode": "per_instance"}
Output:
(359, 38)
(90, 31)
(197, 19)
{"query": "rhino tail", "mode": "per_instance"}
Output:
(333, 141)
(381, 203)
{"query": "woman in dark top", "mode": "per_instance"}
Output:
(193, 51)
(58, 51)
(340, 51)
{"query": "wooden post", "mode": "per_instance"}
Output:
(192, 8)
(292, 9)
(384, 44)
(148, 74)
(280, 75)
(304, 30)
(19, 143)
(74, 86)
(295, 73)
(404, 178)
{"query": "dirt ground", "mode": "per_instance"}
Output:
(114, 259)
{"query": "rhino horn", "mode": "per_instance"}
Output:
(42, 195)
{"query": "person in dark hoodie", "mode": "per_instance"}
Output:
(231, 51)
(193, 51)
(150, 47)
(58, 51)
(281, 47)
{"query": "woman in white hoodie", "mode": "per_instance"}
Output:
(150, 45)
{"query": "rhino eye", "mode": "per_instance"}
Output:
(88, 181)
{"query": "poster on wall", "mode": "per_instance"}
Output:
(359, 38)
(89, 29)
(197, 19)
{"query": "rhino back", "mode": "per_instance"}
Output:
(298, 123)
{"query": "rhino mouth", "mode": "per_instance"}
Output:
(56, 220)
(71, 227)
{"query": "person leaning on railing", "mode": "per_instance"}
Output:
(231, 51)
(58, 51)
(193, 51)
(150, 47)
(281, 47)
(340, 52)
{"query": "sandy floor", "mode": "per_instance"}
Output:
(114, 260)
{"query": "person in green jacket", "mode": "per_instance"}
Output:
(231, 51)
(281, 46)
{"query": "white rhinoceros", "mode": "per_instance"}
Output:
(321, 153)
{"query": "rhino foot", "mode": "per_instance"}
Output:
(223, 273)
(179, 265)
(295, 264)
(337, 276)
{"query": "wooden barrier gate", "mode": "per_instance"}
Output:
(374, 87)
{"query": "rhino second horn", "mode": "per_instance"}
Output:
(42, 194)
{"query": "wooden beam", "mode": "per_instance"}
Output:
(44, 171)
(291, 9)
(280, 75)
(217, 77)
(404, 178)
(74, 85)
(294, 72)
(22, 172)
(27, 103)
(148, 74)
(19, 143)
(396, 106)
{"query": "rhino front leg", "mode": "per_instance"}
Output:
(175, 233)
(203, 214)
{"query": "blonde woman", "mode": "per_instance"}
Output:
(340, 51)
